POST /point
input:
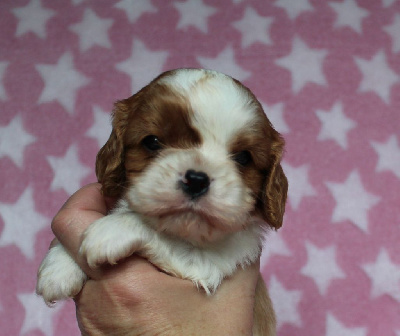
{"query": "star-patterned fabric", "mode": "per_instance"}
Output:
(327, 73)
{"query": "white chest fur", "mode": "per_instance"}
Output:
(124, 232)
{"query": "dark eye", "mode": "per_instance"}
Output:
(151, 143)
(243, 158)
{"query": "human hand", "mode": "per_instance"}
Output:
(136, 298)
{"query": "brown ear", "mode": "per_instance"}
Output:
(275, 187)
(110, 169)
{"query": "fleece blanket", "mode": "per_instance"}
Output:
(328, 75)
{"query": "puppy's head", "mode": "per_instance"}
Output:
(194, 154)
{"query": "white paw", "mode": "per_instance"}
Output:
(107, 241)
(59, 277)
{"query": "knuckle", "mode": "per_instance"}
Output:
(62, 222)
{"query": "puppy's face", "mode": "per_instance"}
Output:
(194, 153)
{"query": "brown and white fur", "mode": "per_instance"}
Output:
(196, 165)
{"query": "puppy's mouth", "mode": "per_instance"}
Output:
(194, 224)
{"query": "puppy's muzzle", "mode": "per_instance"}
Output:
(195, 184)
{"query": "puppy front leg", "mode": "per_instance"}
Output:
(113, 238)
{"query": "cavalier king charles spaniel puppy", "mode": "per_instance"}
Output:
(195, 164)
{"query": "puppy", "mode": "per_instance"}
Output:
(195, 164)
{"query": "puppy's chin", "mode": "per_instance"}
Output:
(195, 227)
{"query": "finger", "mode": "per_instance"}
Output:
(237, 293)
(134, 267)
(131, 276)
(88, 197)
(83, 208)
(243, 282)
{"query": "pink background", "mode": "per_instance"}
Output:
(328, 75)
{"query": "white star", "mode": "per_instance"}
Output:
(101, 127)
(322, 267)
(14, 140)
(335, 125)
(225, 62)
(3, 93)
(388, 3)
(352, 201)
(135, 9)
(254, 28)
(21, 223)
(305, 65)
(377, 76)
(61, 82)
(275, 115)
(285, 303)
(68, 171)
(389, 156)
(335, 328)
(300, 185)
(384, 275)
(294, 8)
(33, 17)
(349, 14)
(143, 65)
(394, 32)
(37, 315)
(194, 13)
(273, 244)
(92, 30)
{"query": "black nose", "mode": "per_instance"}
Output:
(195, 183)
